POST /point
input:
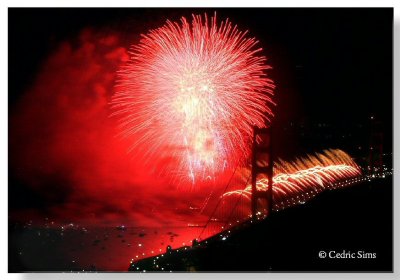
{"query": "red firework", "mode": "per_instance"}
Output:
(190, 96)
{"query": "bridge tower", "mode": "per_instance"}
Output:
(262, 167)
(375, 158)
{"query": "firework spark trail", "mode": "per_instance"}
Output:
(298, 181)
(190, 96)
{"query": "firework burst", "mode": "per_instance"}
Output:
(298, 181)
(190, 96)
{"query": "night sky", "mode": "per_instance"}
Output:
(67, 168)
(332, 58)
(332, 67)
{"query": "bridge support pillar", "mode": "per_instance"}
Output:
(375, 158)
(262, 167)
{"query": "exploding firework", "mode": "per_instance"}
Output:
(298, 181)
(190, 96)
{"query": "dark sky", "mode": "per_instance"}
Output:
(329, 65)
(334, 58)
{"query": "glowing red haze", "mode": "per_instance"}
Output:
(190, 95)
(63, 145)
